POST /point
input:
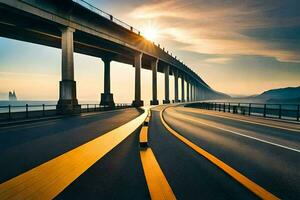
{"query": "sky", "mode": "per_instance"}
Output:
(239, 47)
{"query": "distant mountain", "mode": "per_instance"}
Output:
(287, 95)
(292, 101)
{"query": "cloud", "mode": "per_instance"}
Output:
(218, 27)
(218, 60)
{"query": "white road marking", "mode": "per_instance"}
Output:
(247, 136)
(247, 121)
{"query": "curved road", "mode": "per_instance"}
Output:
(265, 151)
(267, 155)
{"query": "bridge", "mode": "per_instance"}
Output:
(189, 149)
(76, 26)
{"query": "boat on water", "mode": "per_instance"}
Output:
(12, 96)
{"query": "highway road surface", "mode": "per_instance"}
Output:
(192, 154)
(268, 155)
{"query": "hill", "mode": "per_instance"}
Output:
(286, 95)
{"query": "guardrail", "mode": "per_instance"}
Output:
(120, 23)
(106, 15)
(11, 112)
(280, 111)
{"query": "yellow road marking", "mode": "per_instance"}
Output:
(144, 136)
(252, 186)
(158, 185)
(247, 121)
(49, 179)
(210, 124)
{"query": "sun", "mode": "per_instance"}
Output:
(150, 32)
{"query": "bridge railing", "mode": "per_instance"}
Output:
(18, 112)
(280, 111)
(119, 22)
(106, 15)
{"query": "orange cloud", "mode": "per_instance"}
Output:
(216, 27)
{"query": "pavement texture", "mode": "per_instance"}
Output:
(267, 155)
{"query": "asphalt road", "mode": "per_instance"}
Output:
(23, 147)
(274, 167)
(190, 175)
(267, 155)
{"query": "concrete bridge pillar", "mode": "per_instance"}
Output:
(107, 97)
(176, 85)
(138, 65)
(182, 88)
(154, 64)
(192, 93)
(187, 89)
(167, 92)
(67, 102)
(195, 91)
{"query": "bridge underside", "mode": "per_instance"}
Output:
(71, 27)
(26, 27)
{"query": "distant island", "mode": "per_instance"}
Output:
(280, 95)
(12, 96)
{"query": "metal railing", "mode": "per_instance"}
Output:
(280, 111)
(120, 23)
(106, 15)
(18, 112)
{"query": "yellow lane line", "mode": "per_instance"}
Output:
(240, 134)
(49, 179)
(252, 186)
(144, 137)
(247, 121)
(157, 183)
(209, 124)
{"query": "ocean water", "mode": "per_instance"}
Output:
(19, 106)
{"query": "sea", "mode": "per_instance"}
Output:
(20, 105)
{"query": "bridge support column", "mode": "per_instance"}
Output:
(67, 102)
(187, 90)
(107, 97)
(167, 92)
(154, 100)
(138, 65)
(195, 91)
(176, 85)
(192, 93)
(182, 88)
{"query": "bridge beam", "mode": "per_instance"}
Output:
(107, 97)
(182, 88)
(67, 102)
(137, 91)
(176, 85)
(154, 65)
(167, 92)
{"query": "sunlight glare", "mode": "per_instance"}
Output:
(150, 32)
